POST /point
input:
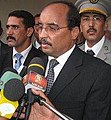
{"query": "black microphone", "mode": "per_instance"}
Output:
(35, 68)
(36, 65)
(12, 92)
(33, 79)
(14, 89)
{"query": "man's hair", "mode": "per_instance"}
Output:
(28, 19)
(37, 15)
(1, 29)
(73, 17)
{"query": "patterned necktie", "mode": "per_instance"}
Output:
(18, 63)
(50, 74)
(90, 52)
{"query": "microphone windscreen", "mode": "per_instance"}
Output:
(14, 89)
(36, 65)
(7, 76)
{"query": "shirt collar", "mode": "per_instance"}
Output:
(63, 58)
(96, 48)
(24, 53)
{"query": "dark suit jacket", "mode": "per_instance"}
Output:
(8, 62)
(3, 51)
(83, 88)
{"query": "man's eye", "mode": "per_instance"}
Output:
(53, 28)
(7, 26)
(85, 19)
(39, 28)
(97, 18)
(16, 27)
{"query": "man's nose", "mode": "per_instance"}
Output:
(9, 31)
(43, 33)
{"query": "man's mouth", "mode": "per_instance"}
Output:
(44, 42)
(11, 38)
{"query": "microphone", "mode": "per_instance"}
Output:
(7, 74)
(13, 91)
(34, 77)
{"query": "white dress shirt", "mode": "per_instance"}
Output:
(62, 60)
(96, 48)
(24, 54)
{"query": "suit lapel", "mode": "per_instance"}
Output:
(29, 57)
(8, 61)
(106, 48)
(67, 74)
(82, 47)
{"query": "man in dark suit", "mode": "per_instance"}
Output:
(36, 35)
(3, 48)
(20, 28)
(82, 83)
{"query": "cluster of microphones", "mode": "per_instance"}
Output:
(16, 91)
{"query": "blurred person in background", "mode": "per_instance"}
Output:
(4, 48)
(36, 35)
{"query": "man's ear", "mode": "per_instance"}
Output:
(80, 28)
(1, 31)
(106, 25)
(75, 32)
(30, 31)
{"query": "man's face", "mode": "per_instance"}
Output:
(35, 32)
(17, 34)
(93, 27)
(55, 41)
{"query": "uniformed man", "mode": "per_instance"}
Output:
(94, 14)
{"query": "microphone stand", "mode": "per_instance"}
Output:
(42, 101)
(31, 98)
(21, 107)
(30, 101)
